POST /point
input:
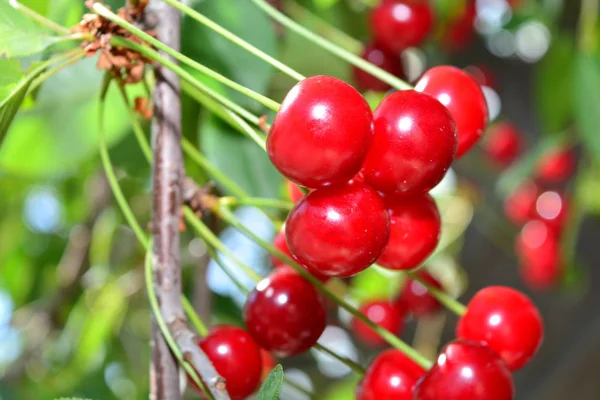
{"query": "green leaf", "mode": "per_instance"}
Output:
(552, 86)
(271, 388)
(239, 158)
(586, 92)
(19, 35)
(325, 4)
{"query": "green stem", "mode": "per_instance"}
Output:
(259, 202)
(332, 48)
(453, 305)
(71, 58)
(53, 26)
(588, 19)
(234, 38)
(213, 254)
(248, 130)
(357, 368)
(193, 317)
(392, 339)
(264, 100)
(137, 128)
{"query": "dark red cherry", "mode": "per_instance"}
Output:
(463, 98)
(539, 255)
(519, 206)
(281, 245)
(507, 321)
(502, 143)
(460, 31)
(556, 166)
(417, 299)
(413, 146)
(391, 375)
(384, 60)
(466, 370)
(284, 313)
(338, 231)
(482, 75)
(293, 191)
(384, 314)
(414, 231)
(399, 24)
(552, 208)
(236, 357)
(322, 132)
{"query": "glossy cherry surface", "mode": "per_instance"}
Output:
(399, 24)
(414, 144)
(463, 97)
(466, 370)
(281, 245)
(236, 357)
(338, 231)
(293, 191)
(322, 132)
(502, 143)
(414, 231)
(507, 321)
(519, 206)
(384, 314)
(284, 313)
(460, 31)
(384, 60)
(538, 249)
(391, 375)
(556, 166)
(552, 208)
(417, 299)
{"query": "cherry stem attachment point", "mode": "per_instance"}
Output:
(444, 298)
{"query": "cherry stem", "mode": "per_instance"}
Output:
(137, 128)
(53, 26)
(234, 38)
(332, 47)
(259, 202)
(71, 58)
(357, 368)
(453, 305)
(193, 317)
(106, 13)
(223, 211)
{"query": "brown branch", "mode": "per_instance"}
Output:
(168, 175)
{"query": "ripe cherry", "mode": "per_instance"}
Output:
(399, 24)
(281, 245)
(384, 60)
(384, 314)
(466, 370)
(268, 363)
(413, 146)
(519, 206)
(538, 249)
(391, 375)
(552, 208)
(338, 231)
(463, 98)
(417, 299)
(507, 321)
(322, 132)
(284, 313)
(556, 166)
(460, 31)
(502, 143)
(414, 231)
(236, 357)
(293, 191)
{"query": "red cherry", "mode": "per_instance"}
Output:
(294, 192)
(284, 313)
(281, 245)
(460, 32)
(482, 75)
(539, 254)
(466, 371)
(556, 166)
(507, 321)
(417, 299)
(519, 206)
(322, 132)
(463, 98)
(502, 143)
(384, 314)
(399, 24)
(543, 273)
(414, 231)
(384, 60)
(391, 375)
(338, 231)
(268, 363)
(236, 357)
(552, 208)
(413, 146)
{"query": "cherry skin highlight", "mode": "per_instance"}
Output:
(391, 375)
(466, 370)
(507, 321)
(399, 24)
(414, 231)
(384, 60)
(338, 231)
(556, 166)
(284, 313)
(552, 208)
(322, 132)
(384, 314)
(236, 357)
(519, 206)
(414, 144)
(417, 299)
(463, 97)
(502, 143)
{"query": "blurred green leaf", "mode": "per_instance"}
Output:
(586, 92)
(271, 388)
(376, 284)
(239, 158)
(325, 4)
(39, 6)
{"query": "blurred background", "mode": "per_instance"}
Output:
(74, 316)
